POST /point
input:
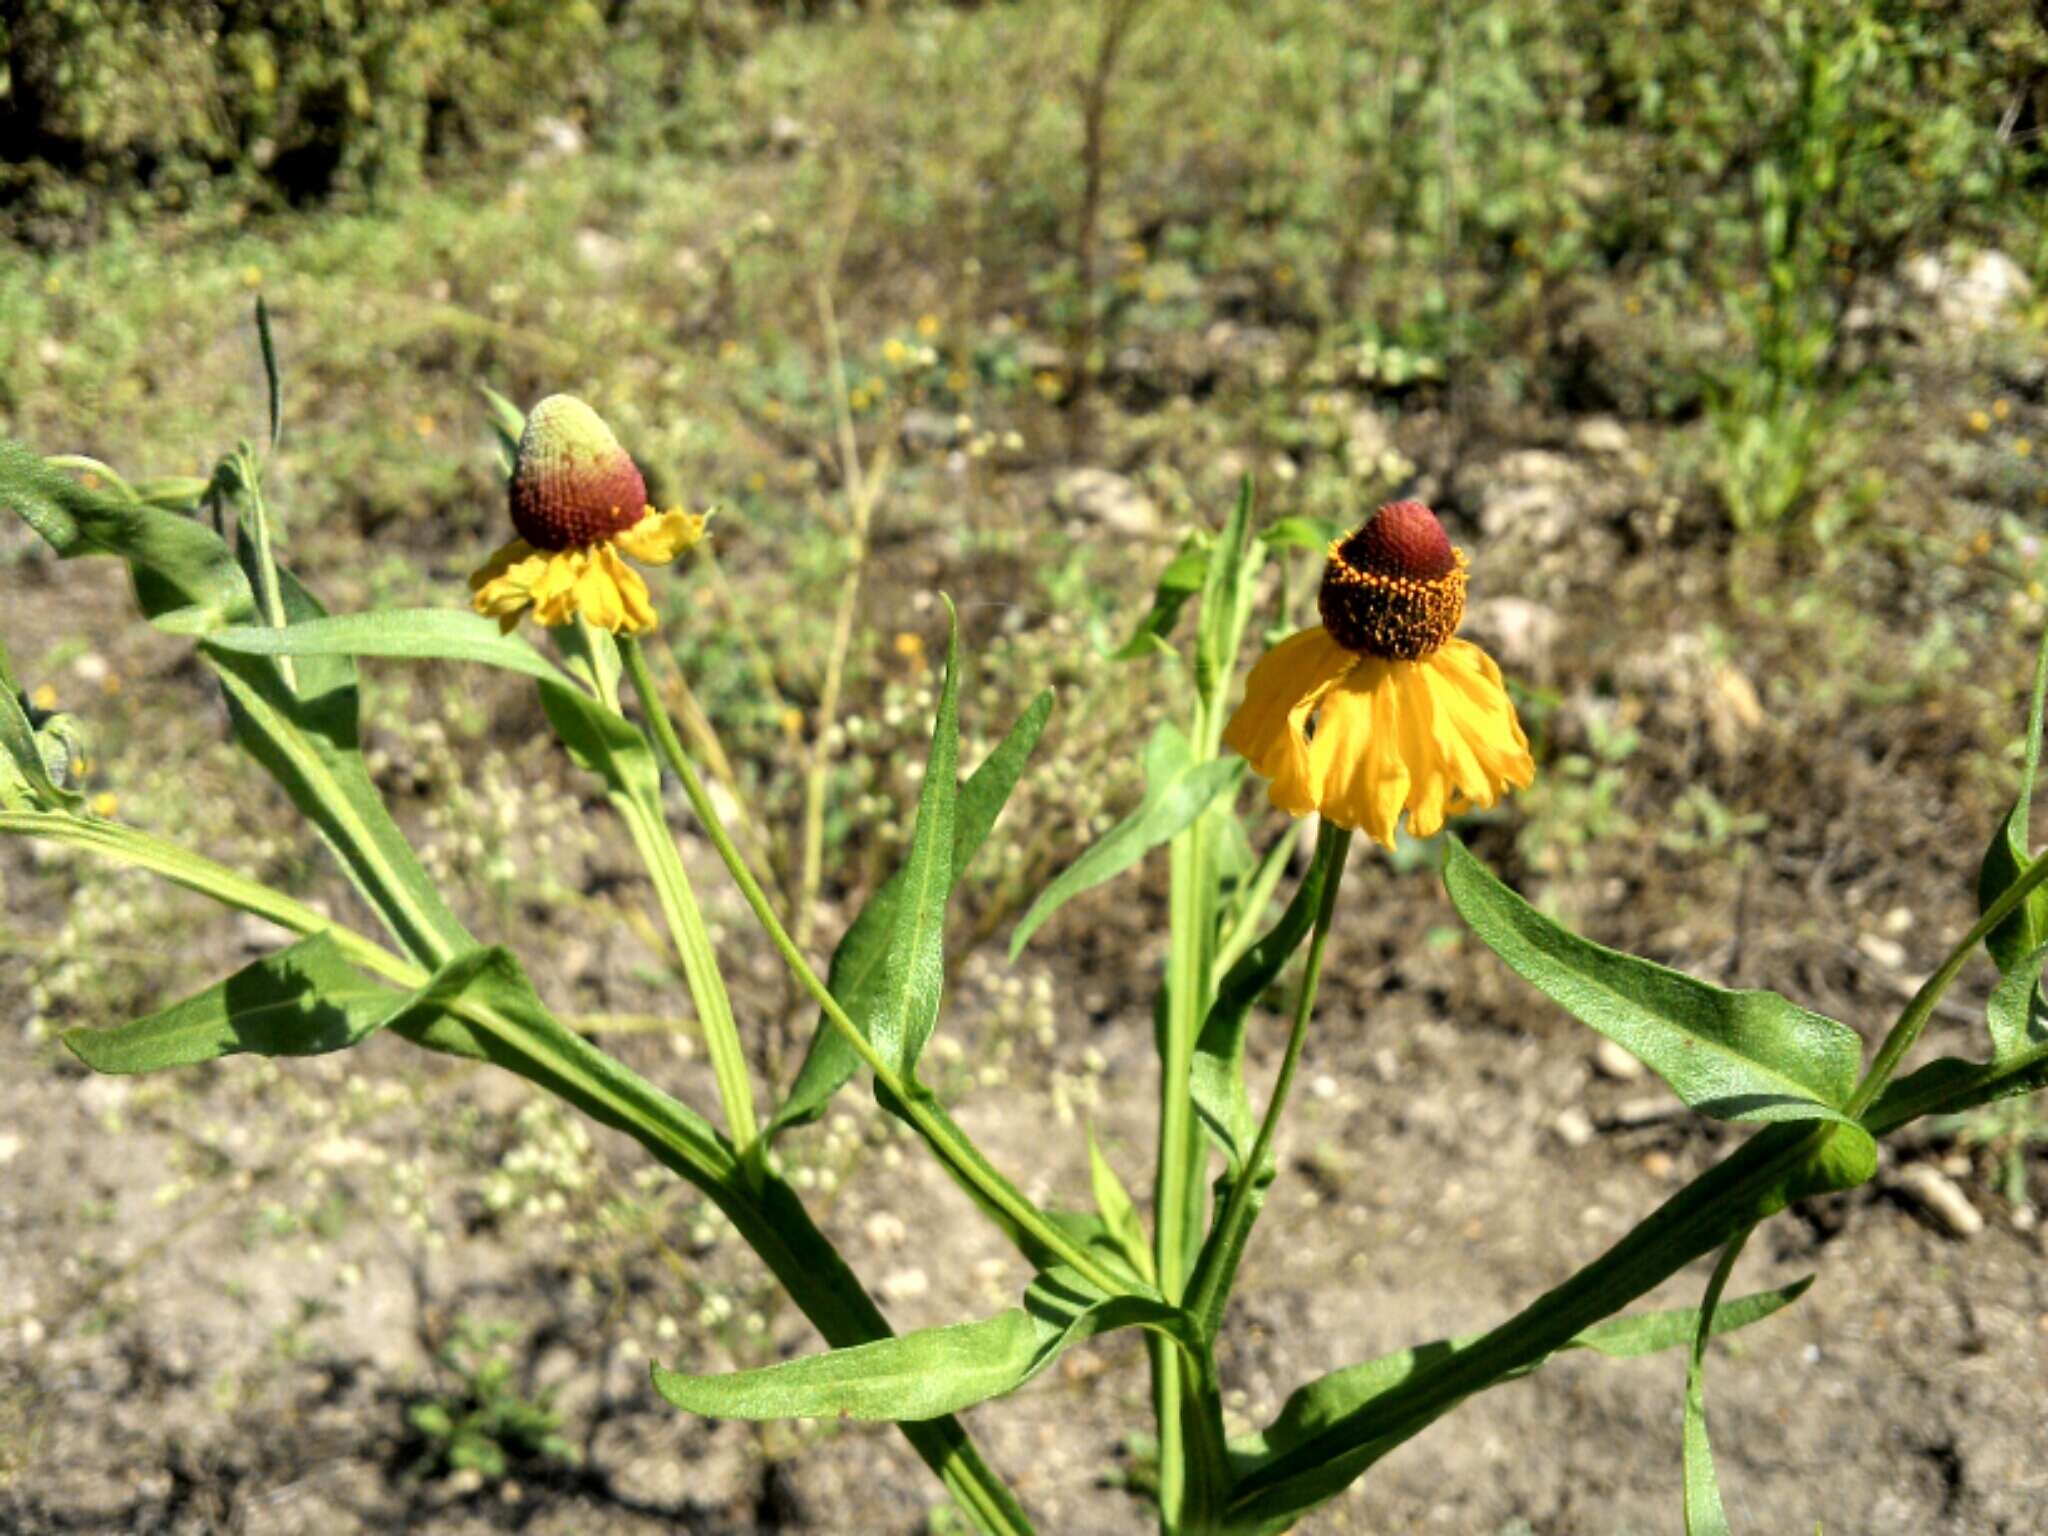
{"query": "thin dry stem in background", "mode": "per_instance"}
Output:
(863, 490)
(1117, 25)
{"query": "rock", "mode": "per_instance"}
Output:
(601, 254)
(1602, 435)
(906, 1284)
(785, 134)
(1614, 1063)
(1968, 293)
(556, 138)
(884, 1229)
(1733, 709)
(1573, 1127)
(1113, 500)
(1935, 1193)
(928, 431)
(1889, 953)
(1531, 496)
(1366, 437)
(1519, 632)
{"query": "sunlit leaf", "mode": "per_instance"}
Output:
(1746, 1056)
(922, 1374)
(1177, 790)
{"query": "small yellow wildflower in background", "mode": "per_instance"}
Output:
(2000, 409)
(927, 326)
(1379, 709)
(895, 353)
(579, 503)
(252, 277)
(910, 646)
(2023, 446)
(44, 698)
(104, 805)
(1049, 385)
(1980, 421)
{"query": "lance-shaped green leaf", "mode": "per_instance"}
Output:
(1314, 535)
(598, 738)
(1951, 1085)
(924, 1374)
(1177, 790)
(2014, 1012)
(1703, 1513)
(906, 1006)
(302, 1001)
(307, 738)
(1178, 583)
(1316, 1405)
(1120, 1222)
(2026, 930)
(1216, 1078)
(185, 579)
(1227, 600)
(855, 976)
(1745, 1056)
(1777, 1166)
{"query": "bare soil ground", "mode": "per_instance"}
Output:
(221, 1293)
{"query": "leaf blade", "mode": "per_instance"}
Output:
(1177, 790)
(856, 966)
(1741, 1056)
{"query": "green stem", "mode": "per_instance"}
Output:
(1175, 1189)
(1218, 1269)
(1913, 1020)
(768, 1214)
(930, 1122)
(700, 969)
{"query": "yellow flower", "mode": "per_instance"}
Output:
(578, 503)
(1380, 709)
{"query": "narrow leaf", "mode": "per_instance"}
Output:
(1178, 583)
(302, 1001)
(914, 957)
(273, 385)
(1119, 1212)
(2026, 930)
(1216, 1079)
(508, 423)
(1314, 1407)
(2014, 1012)
(185, 579)
(924, 1374)
(1177, 790)
(22, 762)
(1703, 1512)
(1311, 534)
(1743, 1056)
(856, 971)
(1226, 599)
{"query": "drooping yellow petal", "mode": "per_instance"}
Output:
(554, 595)
(1476, 729)
(503, 585)
(636, 608)
(597, 592)
(661, 536)
(1360, 755)
(1270, 728)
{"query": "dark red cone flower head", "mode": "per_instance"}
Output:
(573, 484)
(1395, 588)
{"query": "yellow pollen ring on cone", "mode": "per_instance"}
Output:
(1400, 618)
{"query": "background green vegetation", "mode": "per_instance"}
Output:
(1714, 330)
